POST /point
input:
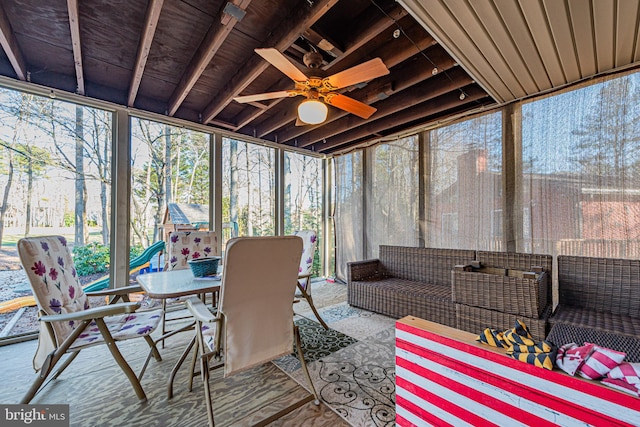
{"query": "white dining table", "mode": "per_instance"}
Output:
(177, 283)
(174, 284)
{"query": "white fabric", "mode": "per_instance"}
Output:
(258, 286)
(184, 246)
(309, 243)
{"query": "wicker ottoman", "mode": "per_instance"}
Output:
(476, 319)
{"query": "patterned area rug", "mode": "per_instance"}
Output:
(354, 377)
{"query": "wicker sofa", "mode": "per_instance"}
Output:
(599, 302)
(407, 281)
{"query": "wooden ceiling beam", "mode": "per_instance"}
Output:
(439, 117)
(437, 86)
(323, 42)
(282, 37)
(10, 47)
(217, 34)
(415, 113)
(74, 26)
(369, 26)
(402, 78)
(392, 54)
(222, 124)
(248, 115)
(149, 30)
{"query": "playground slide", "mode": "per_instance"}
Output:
(135, 265)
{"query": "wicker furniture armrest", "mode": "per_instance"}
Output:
(371, 269)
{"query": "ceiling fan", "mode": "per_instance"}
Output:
(317, 90)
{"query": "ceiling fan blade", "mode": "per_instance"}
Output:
(350, 105)
(278, 60)
(360, 73)
(264, 96)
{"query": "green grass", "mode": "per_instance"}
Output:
(11, 236)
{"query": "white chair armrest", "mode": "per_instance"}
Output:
(93, 313)
(200, 311)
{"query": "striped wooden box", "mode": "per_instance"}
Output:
(444, 377)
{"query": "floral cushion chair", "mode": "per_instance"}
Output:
(184, 246)
(187, 245)
(309, 241)
(68, 323)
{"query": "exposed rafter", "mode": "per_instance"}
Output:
(217, 34)
(10, 47)
(392, 54)
(249, 116)
(323, 42)
(369, 25)
(372, 30)
(150, 25)
(425, 91)
(74, 26)
(281, 39)
(378, 92)
(416, 112)
(190, 59)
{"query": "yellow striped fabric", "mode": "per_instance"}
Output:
(521, 346)
(493, 338)
(541, 360)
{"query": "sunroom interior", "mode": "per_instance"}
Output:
(507, 126)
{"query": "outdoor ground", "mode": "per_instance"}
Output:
(14, 284)
(9, 258)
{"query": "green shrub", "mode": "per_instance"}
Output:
(94, 258)
(91, 258)
(69, 219)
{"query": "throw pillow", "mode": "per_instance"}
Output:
(570, 357)
(622, 385)
(629, 372)
(600, 362)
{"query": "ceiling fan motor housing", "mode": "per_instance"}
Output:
(312, 60)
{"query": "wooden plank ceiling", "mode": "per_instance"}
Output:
(190, 58)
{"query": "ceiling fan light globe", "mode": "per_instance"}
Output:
(312, 111)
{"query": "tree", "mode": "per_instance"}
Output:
(148, 180)
(608, 140)
(9, 148)
(29, 157)
(31, 160)
(7, 189)
(80, 188)
(100, 137)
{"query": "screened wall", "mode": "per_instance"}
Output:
(349, 203)
(581, 171)
(392, 197)
(113, 183)
(463, 188)
(248, 189)
(559, 174)
(169, 174)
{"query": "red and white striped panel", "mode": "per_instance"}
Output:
(443, 381)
